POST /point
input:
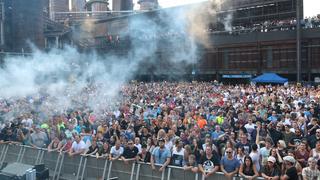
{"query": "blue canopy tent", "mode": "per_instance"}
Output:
(270, 78)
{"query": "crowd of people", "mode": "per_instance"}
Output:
(267, 26)
(240, 130)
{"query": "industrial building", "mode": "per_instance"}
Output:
(21, 26)
(122, 5)
(265, 36)
(58, 6)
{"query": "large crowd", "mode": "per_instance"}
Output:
(267, 26)
(245, 130)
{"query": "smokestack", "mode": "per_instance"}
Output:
(122, 5)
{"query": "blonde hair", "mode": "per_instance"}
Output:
(282, 143)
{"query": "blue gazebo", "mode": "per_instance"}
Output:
(270, 78)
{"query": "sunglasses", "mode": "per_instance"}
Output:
(228, 152)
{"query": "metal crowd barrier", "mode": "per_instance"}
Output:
(63, 167)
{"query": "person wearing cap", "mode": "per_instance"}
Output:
(291, 171)
(160, 155)
(271, 170)
(311, 171)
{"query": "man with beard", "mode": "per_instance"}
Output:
(314, 138)
(161, 156)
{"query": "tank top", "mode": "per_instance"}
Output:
(248, 172)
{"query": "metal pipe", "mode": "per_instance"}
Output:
(298, 39)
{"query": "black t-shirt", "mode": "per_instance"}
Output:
(292, 173)
(145, 158)
(180, 129)
(271, 172)
(177, 160)
(275, 135)
(296, 140)
(92, 149)
(209, 164)
(130, 153)
(144, 138)
(247, 147)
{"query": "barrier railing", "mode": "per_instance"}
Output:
(62, 166)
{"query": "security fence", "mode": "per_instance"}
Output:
(63, 167)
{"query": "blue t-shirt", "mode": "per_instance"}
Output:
(160, 156)
(230, 165)
(216, 134)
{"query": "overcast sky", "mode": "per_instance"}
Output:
(311, 7)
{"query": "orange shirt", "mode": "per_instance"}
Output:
(201, 123)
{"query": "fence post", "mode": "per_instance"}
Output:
(60, 166)
(56, 169)
(162, 175)
(20, 156)
(109, 170)
(41, 157)
(138, 171)
(104, 169)
(169, 174)
(84, 166)
(79, 168)
(38, 156)
(132, 170)
(3, 154)
(19, 159)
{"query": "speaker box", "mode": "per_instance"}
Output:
(16, 169)
(44, 174)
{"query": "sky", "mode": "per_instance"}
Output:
(311, 7)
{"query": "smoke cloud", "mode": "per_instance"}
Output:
(53, 82)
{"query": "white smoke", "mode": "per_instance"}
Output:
(61, 79)
(228, 23)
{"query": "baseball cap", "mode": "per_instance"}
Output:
(271, 159)
(289, 159)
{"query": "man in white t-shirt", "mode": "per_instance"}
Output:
(137, 144)
(116, 151)
(78, 146)
(311, 172)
